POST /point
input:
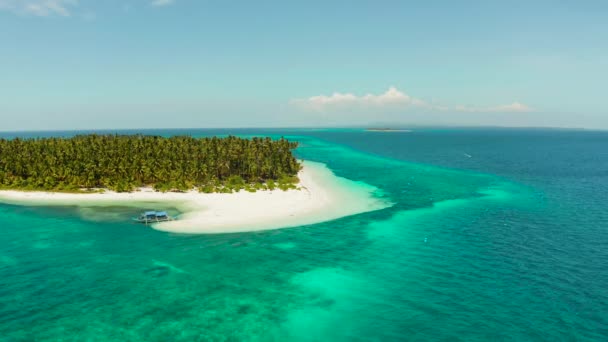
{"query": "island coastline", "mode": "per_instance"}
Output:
(322, 196)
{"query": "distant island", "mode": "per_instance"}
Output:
(374, 129)
(123, 163)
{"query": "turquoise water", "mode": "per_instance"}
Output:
(494, 235)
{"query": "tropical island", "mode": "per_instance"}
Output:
(124, 163)
(219, 185)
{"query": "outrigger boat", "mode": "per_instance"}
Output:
(153, 217)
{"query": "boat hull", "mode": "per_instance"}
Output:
(138, 220)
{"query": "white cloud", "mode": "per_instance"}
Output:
(393, 98)
(160, 3)
(47, 8)
(514, 107)
(41, 8)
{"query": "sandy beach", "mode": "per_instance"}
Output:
(323, 197)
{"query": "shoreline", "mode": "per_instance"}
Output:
(323, 197)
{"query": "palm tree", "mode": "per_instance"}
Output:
(122, 162)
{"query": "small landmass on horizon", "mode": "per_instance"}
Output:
(386, 129)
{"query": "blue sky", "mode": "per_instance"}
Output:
(71, 64)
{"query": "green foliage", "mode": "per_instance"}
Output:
(207, 188)
(162, 187)
(235, 183)
(224, 190)
(287, 182)
(260, 186)
(271, 185)
(125, 162)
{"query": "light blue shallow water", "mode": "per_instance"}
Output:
(513, 247)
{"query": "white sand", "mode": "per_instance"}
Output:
(323, 197)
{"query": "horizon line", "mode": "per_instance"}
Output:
(306, 128)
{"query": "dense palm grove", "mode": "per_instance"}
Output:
(125, 162)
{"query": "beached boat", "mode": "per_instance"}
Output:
(153, 217)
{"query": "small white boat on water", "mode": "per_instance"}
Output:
(153, 217)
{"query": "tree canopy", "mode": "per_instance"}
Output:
(125, 162)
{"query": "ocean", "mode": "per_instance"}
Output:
(494, 235)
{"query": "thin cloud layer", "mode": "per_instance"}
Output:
(40, 8)
(161, 3)
(514, 107)
(64, 8)
(393, 98)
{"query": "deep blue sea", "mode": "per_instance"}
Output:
(495, 235)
